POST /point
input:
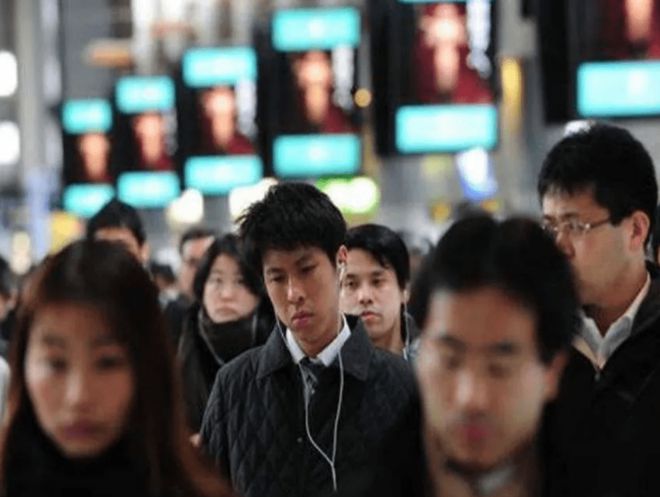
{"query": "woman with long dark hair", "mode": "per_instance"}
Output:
(94, 401)
(231, 314)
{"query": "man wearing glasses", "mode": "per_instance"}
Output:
(598, 193)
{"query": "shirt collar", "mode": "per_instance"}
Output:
(603, 346)
(328, 354)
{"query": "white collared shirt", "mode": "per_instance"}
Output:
(603, 346)
(328, 354)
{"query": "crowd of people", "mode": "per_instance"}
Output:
(298, 357)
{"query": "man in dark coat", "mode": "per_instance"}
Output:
(317, 410)
(503, 312)
(599, 193)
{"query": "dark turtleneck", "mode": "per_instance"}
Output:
(36, 468)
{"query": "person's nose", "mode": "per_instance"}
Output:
(472, 392)
(79, 390)
(294, 291)
(365, 294)
(564, 242)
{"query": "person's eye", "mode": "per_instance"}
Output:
(111, 361)
(55, 364)
(575, 226)
(450, 362)
(377, 282)
(307, 269)
(276, 279)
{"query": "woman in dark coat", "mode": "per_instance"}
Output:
(231, 314)
(94, 402)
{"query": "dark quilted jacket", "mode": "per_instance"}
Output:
(604, 430)
(254, 424)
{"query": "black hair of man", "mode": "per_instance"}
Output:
(385, 246)
(117, 214)
(195, 233)
(290, 216)
(608, 161)
(518, 258)
(229, 245)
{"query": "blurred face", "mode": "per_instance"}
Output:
(226, 298)
(79, 380)
(191, 255)
(303, 286)
(372, 292)
(94, 148)
(482, 383)
(125, 237)
(601, 256)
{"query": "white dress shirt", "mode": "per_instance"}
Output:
(328, 354)
(603, 346)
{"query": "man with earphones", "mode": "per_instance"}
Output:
(317, 410)
(376, 287)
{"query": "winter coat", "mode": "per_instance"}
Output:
(204, 347)
(254, 425)
(603, 432)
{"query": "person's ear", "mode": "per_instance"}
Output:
(640, 226)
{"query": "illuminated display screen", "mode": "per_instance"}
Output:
(308, 106)
(148, 189)
(87, 141)
(617, 61)
(219, 175)
(301, 30)
(85, 200)
(137, 94)
(218, 132)
(146, 142)
(206, 67)
(316, 155)
(436, 80)
(83, 116)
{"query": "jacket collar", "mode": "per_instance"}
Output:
(649, 310)
(356, 352)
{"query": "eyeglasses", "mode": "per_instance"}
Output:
(571, 227)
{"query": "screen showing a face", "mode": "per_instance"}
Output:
(627, 29)
(146, 141)
(442, 90)
(617, 61)
(218, 132)
(313, 118)
(448, 68)
(86, 135)
(146, 123)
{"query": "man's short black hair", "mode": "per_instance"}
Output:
(195, 233)
(518, 258)
(385, 246)
(291, 215)
(117, 214)
(608, 161)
